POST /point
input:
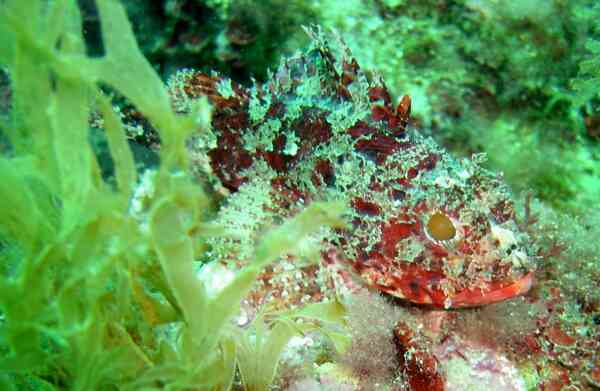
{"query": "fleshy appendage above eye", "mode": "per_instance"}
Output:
(440, 227)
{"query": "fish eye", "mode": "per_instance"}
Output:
(440, 227)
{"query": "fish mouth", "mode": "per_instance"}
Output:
(420, 286)
(492, 292)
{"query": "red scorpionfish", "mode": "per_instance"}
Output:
(424, 227)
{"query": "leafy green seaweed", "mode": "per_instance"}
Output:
(94, 295)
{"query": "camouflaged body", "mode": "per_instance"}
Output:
(323, 129)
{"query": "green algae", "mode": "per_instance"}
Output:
(98, 289)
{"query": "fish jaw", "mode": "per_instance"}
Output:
(420, 286)
(492, 292)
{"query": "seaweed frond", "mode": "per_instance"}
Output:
(97, 292)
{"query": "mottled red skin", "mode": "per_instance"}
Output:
(398, 178)
(418, 365)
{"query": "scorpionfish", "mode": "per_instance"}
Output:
(423, 226)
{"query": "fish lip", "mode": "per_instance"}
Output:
(479, 297)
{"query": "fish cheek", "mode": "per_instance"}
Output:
(420, 286)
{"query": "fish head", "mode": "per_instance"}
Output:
(447, 235)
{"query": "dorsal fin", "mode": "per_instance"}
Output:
(314, 98)
(345, 70)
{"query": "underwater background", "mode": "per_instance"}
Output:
(115, 222)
